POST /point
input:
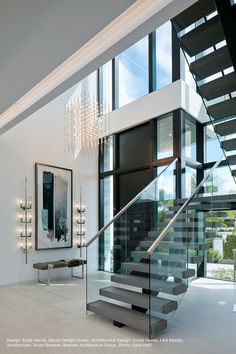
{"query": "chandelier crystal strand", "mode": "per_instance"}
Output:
(85, 123)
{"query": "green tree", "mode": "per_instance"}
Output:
(213, 256)
(228, 246)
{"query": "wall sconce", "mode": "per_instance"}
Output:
(25, 219)
(80, 221)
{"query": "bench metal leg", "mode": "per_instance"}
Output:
(49, 276)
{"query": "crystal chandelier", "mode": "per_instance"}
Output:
(85, 124)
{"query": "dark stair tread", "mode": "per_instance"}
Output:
(232, 159)
(158, 269)
(212, 63)
(170, 257)
(206, 200)
(226, 128)
(173, 235)
(195, 13)
(163, 286)
(176, 245)
(203, 36)
(216, 205)
(234, 173)
(127, 316)
(158, 304)
(224, 109)
(219, 87)
(229, 145)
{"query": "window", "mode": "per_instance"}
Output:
(223, 182)
(212, 146)
(190, 140)
(190, 181)
(164, 55)
(132, 73)
(106, 86)
(106, 155)
(186, 75)
(166, 184)
(165, 137)
(106, 186)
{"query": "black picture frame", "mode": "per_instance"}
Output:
(53, 213)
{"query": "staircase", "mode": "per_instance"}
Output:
(206, 32)
(170, 267)
(154, 268)
(153, 271)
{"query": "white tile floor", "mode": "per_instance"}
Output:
(205, 322)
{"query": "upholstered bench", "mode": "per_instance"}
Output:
(71, 263)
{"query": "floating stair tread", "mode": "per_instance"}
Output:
(224, 109)
(139, 299)
(232, 159)
(176, 245)
(180, 222)
(163, 286)
(203, 36)
(195, 13)
(219, 87)
(226, 128)
(221, 205)
(127, 316)
(212, 63)
(153, 235)
(206, 200)
(229, 145)
(166, 270)
(170, 257)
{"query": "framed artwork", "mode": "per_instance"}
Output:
(54, 216)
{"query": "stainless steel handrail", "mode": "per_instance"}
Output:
(166, 229)
(129, 204)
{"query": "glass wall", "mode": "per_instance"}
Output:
(186, 75)
(106, 157)
(164, 55)
(167, 184)
(220, 256)
(212, 146)
(105, 86)
(165, 137)
(190, 180)
(190, 134)
(106, 189)
(138, 70)
(132, 73)
(223, 182)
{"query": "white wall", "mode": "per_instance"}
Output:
(165, 100)
(39, 138)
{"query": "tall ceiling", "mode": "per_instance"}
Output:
(38, 35)
(47, 46)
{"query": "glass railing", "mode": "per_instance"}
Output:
(159, 246)
(178, 255)
(137, 222)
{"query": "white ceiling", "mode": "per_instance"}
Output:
(47, 46)
(38, 35)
